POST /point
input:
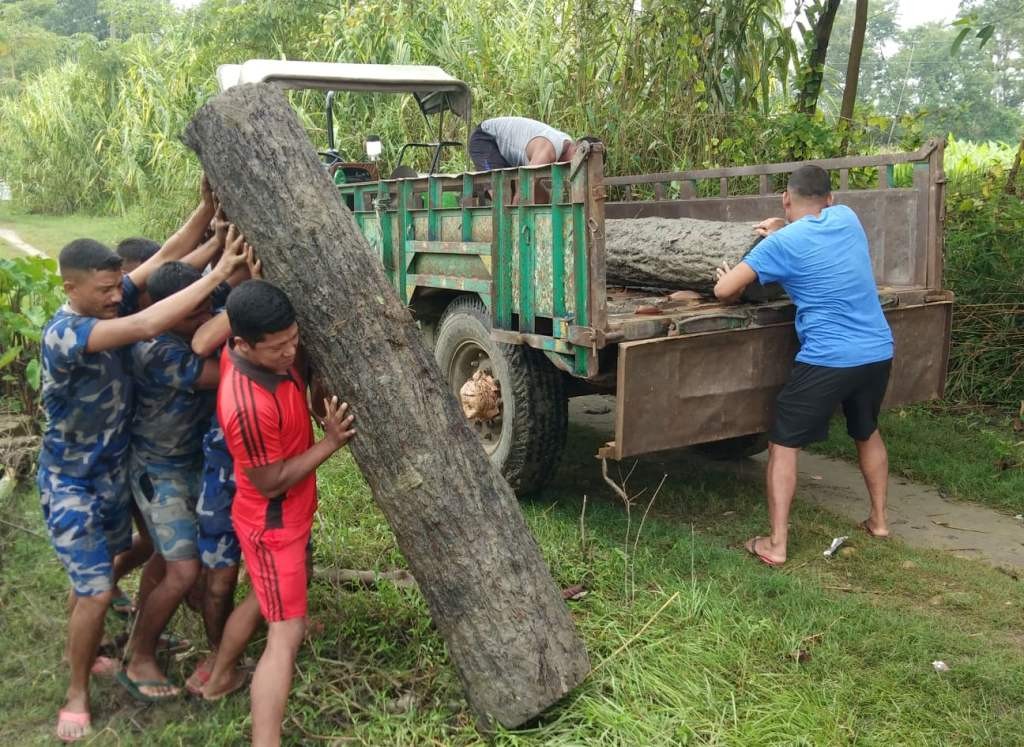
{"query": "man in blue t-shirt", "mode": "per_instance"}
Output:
(174, 400)
(819, 255)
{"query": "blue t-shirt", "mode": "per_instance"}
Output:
(87, 397)
(171, 415)
(824, 265)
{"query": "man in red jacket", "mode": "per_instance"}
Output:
(261, 406)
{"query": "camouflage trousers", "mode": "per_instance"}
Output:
(89, 521)
(166, 496)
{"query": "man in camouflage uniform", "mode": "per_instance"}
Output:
(87, 397)
(219, 552)
(173, 406)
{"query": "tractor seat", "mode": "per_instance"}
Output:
(404, 172)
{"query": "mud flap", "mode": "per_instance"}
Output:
(680, 391)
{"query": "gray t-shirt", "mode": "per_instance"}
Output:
(511, 135)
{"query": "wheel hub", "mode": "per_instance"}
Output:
(480, 397)
(479, 392)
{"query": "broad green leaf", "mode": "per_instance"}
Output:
(33, 373)
(10, 355)
(954, 50)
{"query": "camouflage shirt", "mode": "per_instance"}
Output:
(218, 472)
(171, 416)
(87, 397)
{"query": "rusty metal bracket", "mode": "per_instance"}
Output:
(582, 151)
(588, 337)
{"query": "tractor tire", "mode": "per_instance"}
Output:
(739, 447)
(525, 440)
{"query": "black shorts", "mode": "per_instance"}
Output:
(807, 401)
(483, 149)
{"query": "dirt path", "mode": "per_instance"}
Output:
(12, 238)
(919, 515)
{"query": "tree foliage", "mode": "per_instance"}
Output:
(976, 93)
(668, 85)
(817, 35)
(30, 292)
(96, 98)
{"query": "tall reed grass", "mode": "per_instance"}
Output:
(668, 86)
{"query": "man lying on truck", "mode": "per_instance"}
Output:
(819, 255)
(504, 142)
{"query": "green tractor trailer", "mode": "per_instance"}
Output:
(511, 294)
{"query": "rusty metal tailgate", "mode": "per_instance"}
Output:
(679, 391)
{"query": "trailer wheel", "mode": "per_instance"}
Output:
(526, 436)
(735, 448)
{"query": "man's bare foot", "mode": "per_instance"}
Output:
(234, 681)
(762, 549)
(879, 531)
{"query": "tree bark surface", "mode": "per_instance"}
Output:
(458, 524)
(860, 25)
(677, 253)
(814, 70)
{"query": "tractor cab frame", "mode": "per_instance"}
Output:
(436, 93)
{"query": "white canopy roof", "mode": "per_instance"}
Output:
(434, 89)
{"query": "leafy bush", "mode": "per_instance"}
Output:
(985, 267)
(30, 292)
(99, 132)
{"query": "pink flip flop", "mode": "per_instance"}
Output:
(197, 680)
(104, 666)
(751, 547)
(79, 719)
(867, 528)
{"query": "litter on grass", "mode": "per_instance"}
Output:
(836, 544)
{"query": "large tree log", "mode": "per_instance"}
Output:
(456, 520)
(677, 253)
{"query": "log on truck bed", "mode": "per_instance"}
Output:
(678, 253)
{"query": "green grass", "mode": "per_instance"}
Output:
(49, 233)
(714, 666)
(8, 251)
(974, 456)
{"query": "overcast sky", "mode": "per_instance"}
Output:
(916, 12)
(912, 12)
